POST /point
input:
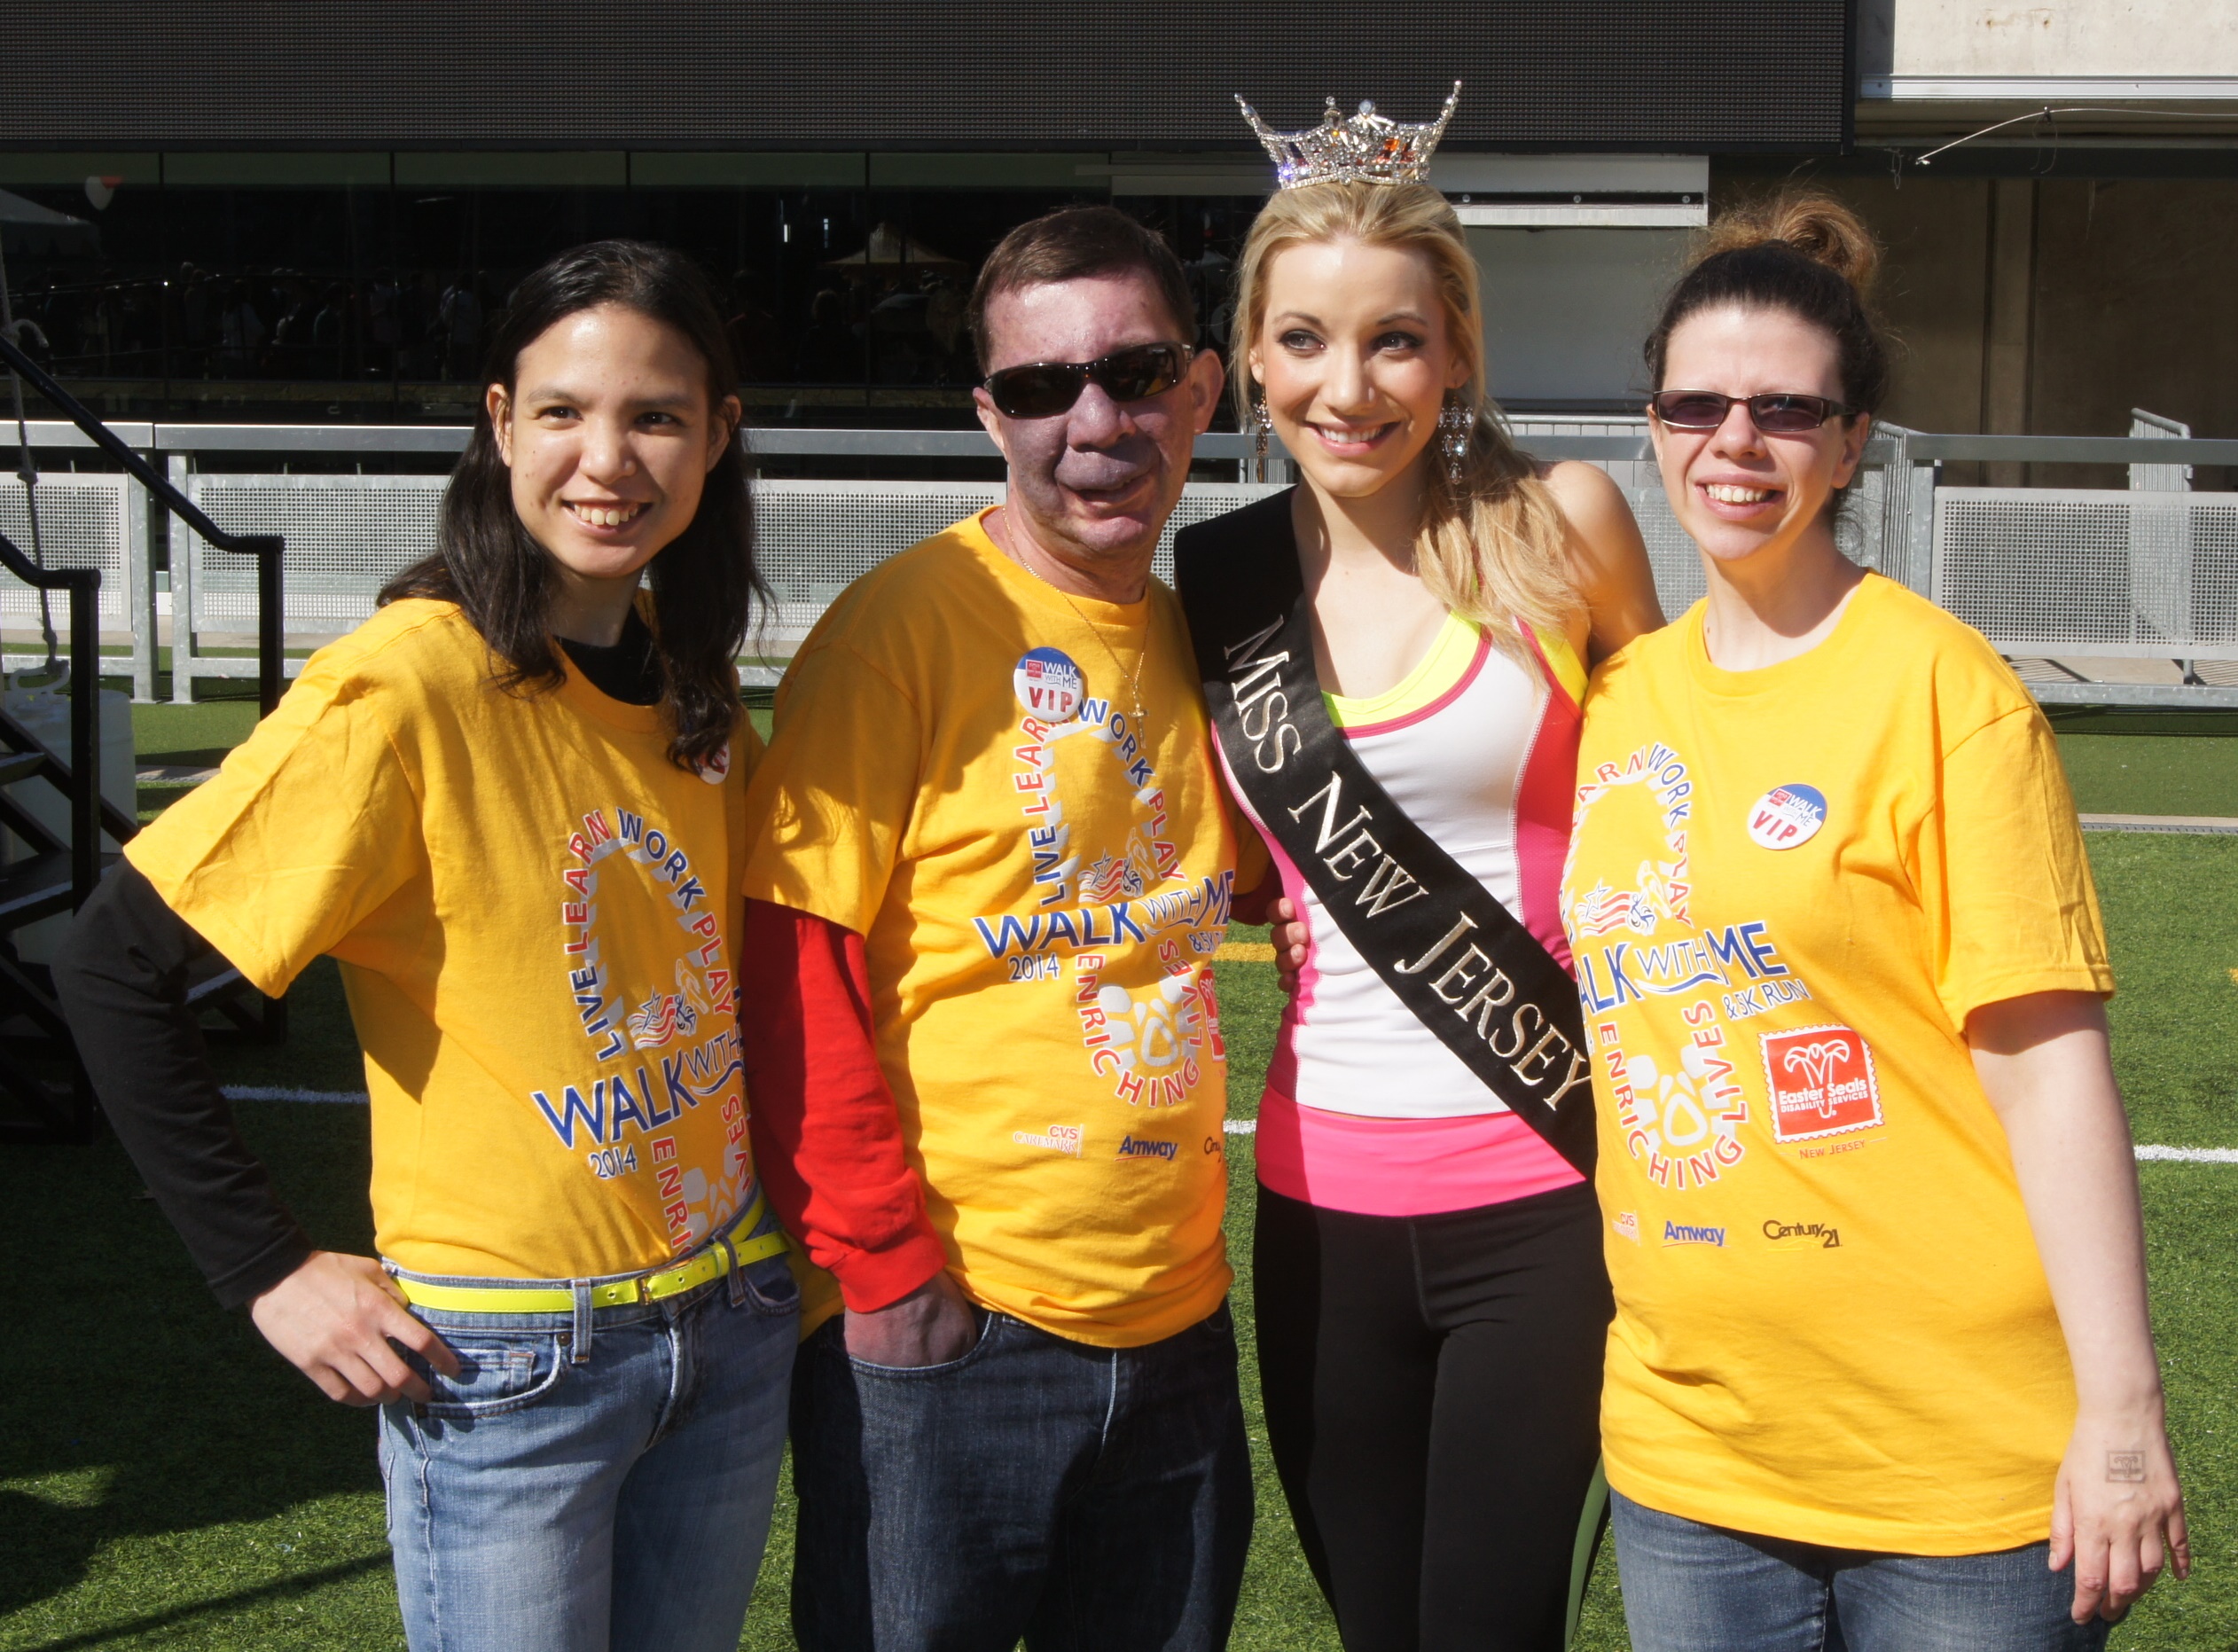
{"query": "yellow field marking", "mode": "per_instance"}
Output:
(1263, 952)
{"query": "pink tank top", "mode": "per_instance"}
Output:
(1365, 1109)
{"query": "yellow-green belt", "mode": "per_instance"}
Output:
(710, 1264)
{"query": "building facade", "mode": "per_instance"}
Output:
(239, 213)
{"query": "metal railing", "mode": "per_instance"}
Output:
(80, 778)
(2054, 574)
(268, 549)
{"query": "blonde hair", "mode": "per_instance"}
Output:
(1493, 545)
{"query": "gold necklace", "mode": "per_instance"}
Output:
(1132, 679)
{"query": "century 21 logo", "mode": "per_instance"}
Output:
(1798, 1235)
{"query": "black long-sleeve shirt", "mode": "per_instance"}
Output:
(122, 974)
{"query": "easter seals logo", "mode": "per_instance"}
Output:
(1821, 1082)
(1787, 816)
(1678, 1234)
(1802, 1235)
(1049, 684)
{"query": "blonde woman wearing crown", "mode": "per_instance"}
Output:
(1395, 651)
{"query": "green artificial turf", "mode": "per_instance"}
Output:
(2152, 774)
(2118, 764)
(165, 1480)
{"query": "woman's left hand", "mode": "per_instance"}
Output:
(2117, 1512)
(1291, 939)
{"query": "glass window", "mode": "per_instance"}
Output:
(310, 288)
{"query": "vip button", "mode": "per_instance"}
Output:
(1787, 816)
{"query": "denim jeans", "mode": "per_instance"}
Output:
(616, 1504)
(1690, 1587)
(1082, 1498)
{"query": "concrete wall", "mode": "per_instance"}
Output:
(2056, 305)
(1565, 310)
(2093, 37)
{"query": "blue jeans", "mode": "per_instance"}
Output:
(1080, 1499)
(1690, 1587)
(615, 1504)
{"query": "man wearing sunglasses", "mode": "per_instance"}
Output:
(979, 1021)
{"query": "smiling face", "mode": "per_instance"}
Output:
(1734, 490)
(609, 433)
(1096, 483)
(1356, 355)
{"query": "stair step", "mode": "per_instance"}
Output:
(19, 765)
(37, 887)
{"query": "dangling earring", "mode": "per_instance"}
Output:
(1260, 425)
(1456, 424)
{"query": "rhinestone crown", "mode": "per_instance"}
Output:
(1369, 148)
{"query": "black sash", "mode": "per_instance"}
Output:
(1456, 957)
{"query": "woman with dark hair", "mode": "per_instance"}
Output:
(511, 806)
(1882, 1374)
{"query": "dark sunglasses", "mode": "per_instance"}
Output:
(1045, 389)
(1776, 413)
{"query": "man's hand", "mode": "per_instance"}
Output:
(333, 1319)
(929, 1327)
(1289, 935)
(2117, 1513)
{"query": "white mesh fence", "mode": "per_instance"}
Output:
(346, 537)
(2044, 571)
(2039, 571)
(84, 522)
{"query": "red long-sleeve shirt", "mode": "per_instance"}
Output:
(827, 1140)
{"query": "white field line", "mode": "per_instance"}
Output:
(1234, 1126)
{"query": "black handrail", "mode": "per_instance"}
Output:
(85, 586)
(268, 549)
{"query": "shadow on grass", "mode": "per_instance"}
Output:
(285, 1588)
(128, 1379)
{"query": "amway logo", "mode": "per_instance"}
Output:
(1674, 1234)
(1142, 1148)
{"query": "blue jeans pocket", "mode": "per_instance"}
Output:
(969, 1356)
(498, 1371)
(770, 1288)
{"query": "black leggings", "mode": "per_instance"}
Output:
(1433, 1395)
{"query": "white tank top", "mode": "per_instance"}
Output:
(1483, 756)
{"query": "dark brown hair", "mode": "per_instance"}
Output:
(703, 583)
(1801, 252)
(1069, 245)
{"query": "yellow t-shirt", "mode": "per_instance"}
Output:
(1787, 891)
(956, 776)
(533, 910)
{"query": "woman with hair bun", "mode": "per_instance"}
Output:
(1395, 651)
(1881, 1373)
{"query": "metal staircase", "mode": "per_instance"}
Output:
(44, 1095)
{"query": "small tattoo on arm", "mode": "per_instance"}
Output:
(2125, 1466)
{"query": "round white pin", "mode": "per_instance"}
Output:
(1787, 816)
